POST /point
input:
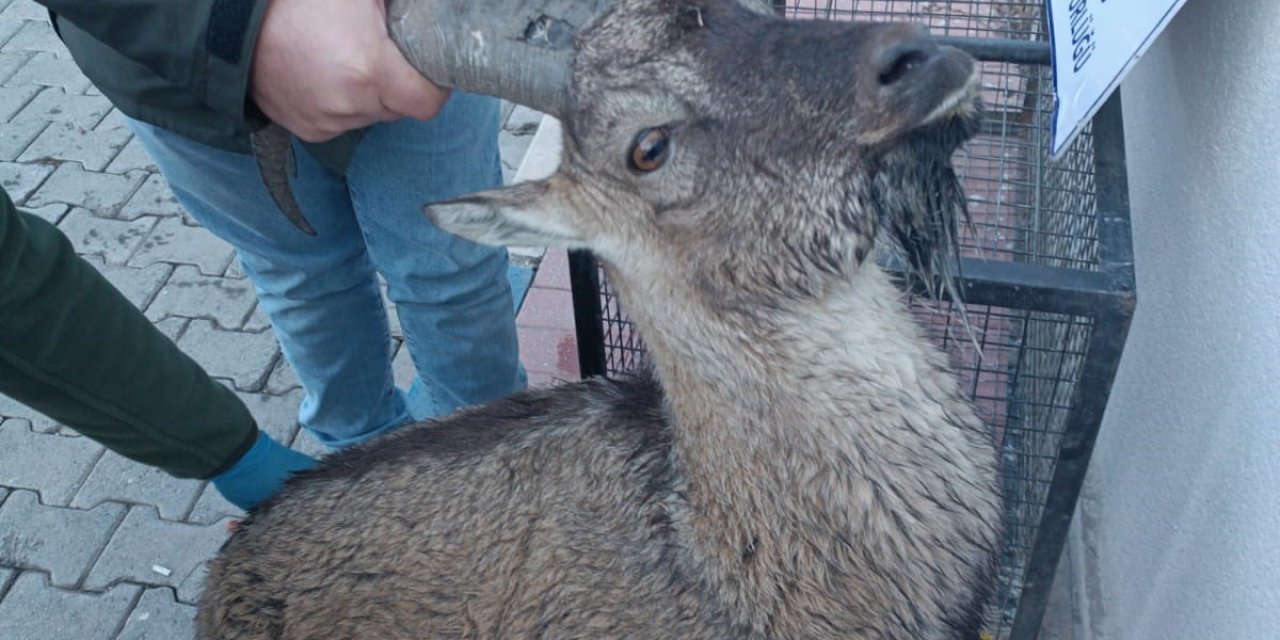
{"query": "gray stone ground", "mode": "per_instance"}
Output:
(93, 546)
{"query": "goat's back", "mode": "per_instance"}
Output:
(544, 515)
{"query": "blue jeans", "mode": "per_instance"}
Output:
(321, 293)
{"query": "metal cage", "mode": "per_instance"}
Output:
(1046, 279)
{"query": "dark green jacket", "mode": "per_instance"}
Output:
(73, 348)
(179, 64)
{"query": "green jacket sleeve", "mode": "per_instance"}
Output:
(204, 47)
(72, 347)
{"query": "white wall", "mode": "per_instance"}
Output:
(1181, 519)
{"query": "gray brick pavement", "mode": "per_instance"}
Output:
(159, 616)
(21, 178)
(243, 358)
(68, 142)
(190, 294)
(102, 193)
(55, 104)
(61, 542)
(174, 242)
(120, 480)
(114, 240)
(151, 551)
(139, 285)
(153, 198)
(93, 545)
(14, 412)
(53, 465)
(15, 136)
(35, 610)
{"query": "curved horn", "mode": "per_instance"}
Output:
(520, 50)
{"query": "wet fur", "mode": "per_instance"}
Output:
(800, 463)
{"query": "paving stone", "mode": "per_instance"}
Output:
(36, 35)
(101, 193)
(120, 479)
(133, 157)
(139, 286)
(174, 242)
(526, 256)
(402, 367)
(14, 100)
(152, 199)
(53, 213)
(517, 134)
(52, 465)
(192, 295)
(523, 121)
(159, 616)
(53, 104)
(16, 136)
(114, 240)
(235, 269)
(173, 328)
(22, 179)
(151, 551)
(212, 507)
(275, 414)
(11, 409)
(244, 358)
(113, 120)
(393, 316)
(34, 610)
(47, 69)
(282, 378)
(24, 10)
(511, 149)
(66, 141)
(61, 542)
(10, 27)
(4, 493)
(10, 61)
(306, 443)
(258, 320)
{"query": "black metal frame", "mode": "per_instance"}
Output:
(1105, 296)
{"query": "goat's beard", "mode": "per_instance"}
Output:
(921, 200)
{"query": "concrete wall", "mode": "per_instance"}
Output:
(1179, 533)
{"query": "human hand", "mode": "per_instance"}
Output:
(322, 67)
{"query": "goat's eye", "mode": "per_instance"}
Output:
(650, 150)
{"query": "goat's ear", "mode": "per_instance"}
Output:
(533, 214)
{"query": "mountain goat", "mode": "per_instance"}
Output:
(800, 462)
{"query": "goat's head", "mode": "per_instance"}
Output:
(761, 156)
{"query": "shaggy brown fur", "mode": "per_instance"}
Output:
(800, 464)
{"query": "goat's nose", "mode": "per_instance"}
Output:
(899, 59)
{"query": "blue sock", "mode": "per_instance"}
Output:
(260, 472)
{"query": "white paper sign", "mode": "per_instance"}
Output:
(1095, 43)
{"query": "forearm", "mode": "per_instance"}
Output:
(72, 347)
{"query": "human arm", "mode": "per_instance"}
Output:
(75, 349)
(317, 67)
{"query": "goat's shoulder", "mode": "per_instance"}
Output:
(627, 408)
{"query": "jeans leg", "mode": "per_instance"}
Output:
(320, 293)
(453, 296)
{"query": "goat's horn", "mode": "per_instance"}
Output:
(519, 50)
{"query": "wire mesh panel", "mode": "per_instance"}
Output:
(1046, 273)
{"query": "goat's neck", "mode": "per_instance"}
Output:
(785, 420)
